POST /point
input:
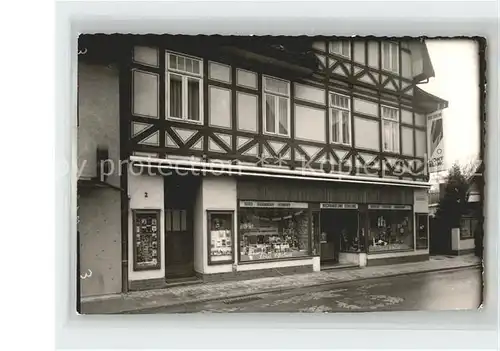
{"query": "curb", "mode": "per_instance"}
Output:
(271, 290)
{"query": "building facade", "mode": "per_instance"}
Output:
(213, 158)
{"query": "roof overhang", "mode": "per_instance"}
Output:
(200, 168)
(427, 102)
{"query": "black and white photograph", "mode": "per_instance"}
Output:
(297, 174)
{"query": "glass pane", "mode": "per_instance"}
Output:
(422, 232)
(176, 221)
(267, 234)
(168, 221)
(193, 99)
(394, 57)
(189, 65)
(335, 126)
(345, 48)
(345, 127)
(181, 64)
(172, 61)
(390, 230)
(387, 136)
(395, 136)
(183, 220)
(283, 116)
(220, 230)
(386, 55)
(270, 114)
(276, 86)
(175, 93)
(196, 67)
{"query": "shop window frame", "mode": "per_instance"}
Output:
(417, 215)
(209, 237)
(369, 211)
(157, 266)
(309, 210)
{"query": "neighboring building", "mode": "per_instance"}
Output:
(461, 240)
(297, 153)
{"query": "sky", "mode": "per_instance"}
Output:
(456, 67)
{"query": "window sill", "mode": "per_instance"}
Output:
(277, 259)
(277, 135)
(390, 251)
(182, 120)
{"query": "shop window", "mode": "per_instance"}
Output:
(220, 237)
(422, 230)
(146, 239)
(390, 230)
(467, 228)
(273, 233)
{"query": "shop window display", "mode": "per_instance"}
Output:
(390, 230)
(273, 233)
(220, 232)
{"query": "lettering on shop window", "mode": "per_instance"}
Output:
(273, 204)
(339, 206)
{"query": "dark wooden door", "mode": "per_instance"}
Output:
(180, 196)
(179, 243)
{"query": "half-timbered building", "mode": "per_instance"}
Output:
(212, 158)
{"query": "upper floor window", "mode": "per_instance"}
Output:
(184, 88)
(390, 120)
(390, 56)
(277, 106)
(340, 119)
(342, 48)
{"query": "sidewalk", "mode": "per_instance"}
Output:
(216, 291)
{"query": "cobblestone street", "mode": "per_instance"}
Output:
(197, 293)
(448, 290)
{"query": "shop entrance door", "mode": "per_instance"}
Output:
(335, 228)
(180, 195)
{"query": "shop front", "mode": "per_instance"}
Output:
(219, 228)
(339, 241)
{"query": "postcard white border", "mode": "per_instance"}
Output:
(451, 329)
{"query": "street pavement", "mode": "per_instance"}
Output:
(446, 290)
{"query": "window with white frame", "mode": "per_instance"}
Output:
(184, 88)
(390, 56)
(390, 120)
(342, 48)
(277, 106)
(340, 119)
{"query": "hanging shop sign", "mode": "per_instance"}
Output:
(389, 207)
(273, 204)
(435, 135)
(338, 206)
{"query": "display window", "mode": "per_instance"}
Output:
(422, 230)
(273, 233)
(390, 228)
(220, 237)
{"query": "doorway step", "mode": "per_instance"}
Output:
(332, 266)
(170, 283)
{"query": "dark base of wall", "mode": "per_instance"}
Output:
(373, 261)
(147, 284)
(260, 273)
(462, 252)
